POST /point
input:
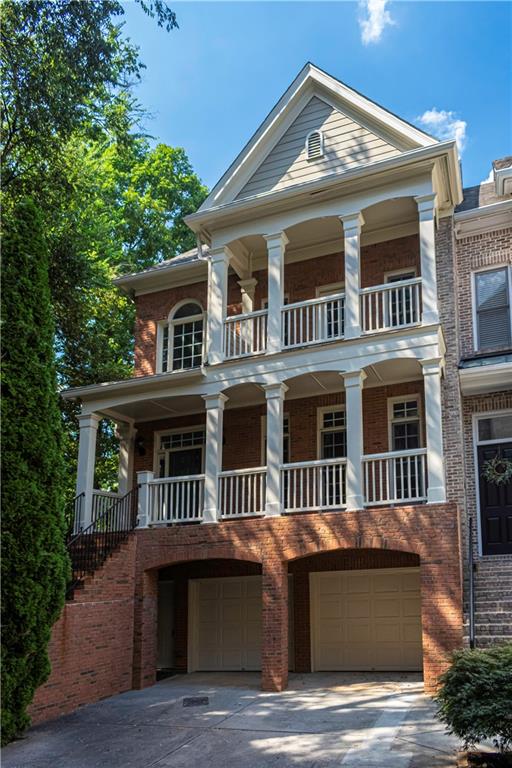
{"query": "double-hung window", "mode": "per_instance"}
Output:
(182, 339)
(405, 435)
(493, 320)
(332, 445)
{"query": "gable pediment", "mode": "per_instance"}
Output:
(346, 144)
(356, 132)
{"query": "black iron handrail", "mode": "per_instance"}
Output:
(471, 591)
(88, 549)
(74, 513)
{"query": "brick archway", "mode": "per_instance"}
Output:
(429, 532)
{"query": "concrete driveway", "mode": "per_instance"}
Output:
(321, 721)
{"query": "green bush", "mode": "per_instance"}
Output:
(34, 560)
(475, 698)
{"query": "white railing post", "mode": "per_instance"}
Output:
(274, 394)
(354, 417)
(276, 245)
(217, 294)
(436, 492)
(144, 506)
(426, 209)
(125, 432)
(86, 460)
(352, 236)
(213, 455)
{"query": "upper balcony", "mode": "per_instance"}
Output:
(321, 281)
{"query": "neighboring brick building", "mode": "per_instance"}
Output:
(303, 434)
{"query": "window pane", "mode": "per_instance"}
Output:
(491, 289)
(495, 428)
(494, 328)
(188, 310)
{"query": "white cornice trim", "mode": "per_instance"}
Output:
(407, 161)
(488, 378)
(488, 218)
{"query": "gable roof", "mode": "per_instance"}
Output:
(315, 90)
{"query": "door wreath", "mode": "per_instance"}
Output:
(497, 470)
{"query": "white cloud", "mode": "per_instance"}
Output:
(378, 18)
(444, 125)
(489, 178)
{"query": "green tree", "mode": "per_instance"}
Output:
(34, 559)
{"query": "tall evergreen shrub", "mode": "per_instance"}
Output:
(34, 560)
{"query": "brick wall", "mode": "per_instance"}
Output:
(243, 427)
(476, 252)
(301, 279)
(91, 648)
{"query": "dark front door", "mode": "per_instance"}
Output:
(495, 504)
(188, 462)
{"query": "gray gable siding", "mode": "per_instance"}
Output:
(346, 144)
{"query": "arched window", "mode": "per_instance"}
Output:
(314, 145)
(182, 338)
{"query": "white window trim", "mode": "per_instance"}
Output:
(263, 434)
(320, 429)
(404, 399)
(396, 272)
(476, 442)
(170, 322)
(332, 289)
(474, 319)
(306, 145)
(158, 434)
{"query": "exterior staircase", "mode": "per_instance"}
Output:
(89, 548)
(493, 602)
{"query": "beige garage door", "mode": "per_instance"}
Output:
(366, 620)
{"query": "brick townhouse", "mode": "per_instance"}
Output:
(321, 402)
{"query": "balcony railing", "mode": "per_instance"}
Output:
(313, 321)
(101, 501)
(396, 477)
(245, 334)
(176, 499)
(389, 306)
(242, 492)
(313, 485)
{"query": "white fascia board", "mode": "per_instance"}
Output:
(486, 379)
(487, 218)
(422, 342)
(276, 122)
(153, 280)
(200, 221)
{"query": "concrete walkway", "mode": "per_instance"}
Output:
(321, 721)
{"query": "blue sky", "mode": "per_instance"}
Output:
(210, 84)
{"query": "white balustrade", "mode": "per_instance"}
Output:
(101, 501)
(176, 499)
(395, 477)
(242, 492)
(392, 305)
(245, 334)
(313, 321)
(313, 485)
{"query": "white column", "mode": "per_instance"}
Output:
(213, 455)
(217, 293)
(86, 461)
(125, 432)
(426, 209)
(274, 394)
(355, 450)
(144, 512)
(436, 487)
(248, 288)
(352, 235)
(276, 245)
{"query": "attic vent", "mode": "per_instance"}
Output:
(314, 145)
